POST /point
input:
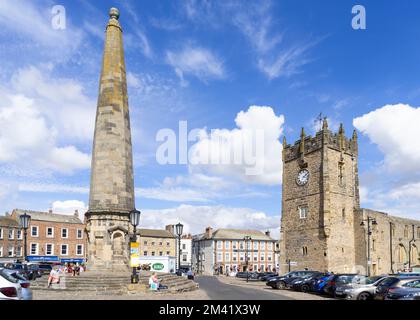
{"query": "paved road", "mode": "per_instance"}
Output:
(221, 291)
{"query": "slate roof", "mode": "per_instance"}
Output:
(46, 216)
(234, 234)
(238, 234)
(155, 233)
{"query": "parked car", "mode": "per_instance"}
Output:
(340, 280)
(281, 282)
(408, 291)
(392, 282)
(264, 276)
(179, 272)
(363, 290)
(23, 270)
(44, 268)
(24, 283)
(10, 288)
(36, 269)
(317, 286)
(251, 275)
(306, 283)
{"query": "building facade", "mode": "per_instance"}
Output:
(155, 242)
(226, 250)
(321, 223)
(11, 239)
(186, 251)
(50, 237)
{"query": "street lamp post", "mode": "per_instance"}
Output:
(25, 219)
(134, 220)
(370, 222)
(178, 229)
(247, 239)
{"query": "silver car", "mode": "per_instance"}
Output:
(361, 290)
(24, 283)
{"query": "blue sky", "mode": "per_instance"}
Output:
(208, 63)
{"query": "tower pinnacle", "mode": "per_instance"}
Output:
(302, 141)
(325, 124)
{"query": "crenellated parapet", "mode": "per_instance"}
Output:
(325, 137)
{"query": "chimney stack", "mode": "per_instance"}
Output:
(170, 228)
(209, 232)
(76, 213)
(50, 211)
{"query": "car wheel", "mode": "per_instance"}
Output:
(305, 288)
(364, 296)
(281, 285)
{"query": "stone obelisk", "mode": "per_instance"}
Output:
(111, 195)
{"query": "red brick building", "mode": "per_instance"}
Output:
(51, 237)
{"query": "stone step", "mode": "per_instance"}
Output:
(103, 285)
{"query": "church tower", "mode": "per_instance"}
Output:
(111, 195)
(320, 196)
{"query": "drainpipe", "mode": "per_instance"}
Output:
(409, 249)
(390, 246)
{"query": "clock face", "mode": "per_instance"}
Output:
(302, 177)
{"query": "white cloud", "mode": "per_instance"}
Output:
(196, 187)
(174, 194)
(197, 218)
(210, 152)
(395, 130)
(140, 39)
(68, 207)
(27, 140)
(399, 200)
(196, 61)
(24, 19)
(286, 63)
(133, 80)
(61, 101)
(256, 25)
(52, 188)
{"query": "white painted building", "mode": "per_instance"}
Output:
(226, 250)
(186, 251)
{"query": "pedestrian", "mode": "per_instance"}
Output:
(54, 276)
(190, 274)
(77, 269)
(69, 268)
(153, 282)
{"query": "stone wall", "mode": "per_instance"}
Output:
(391, 239)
